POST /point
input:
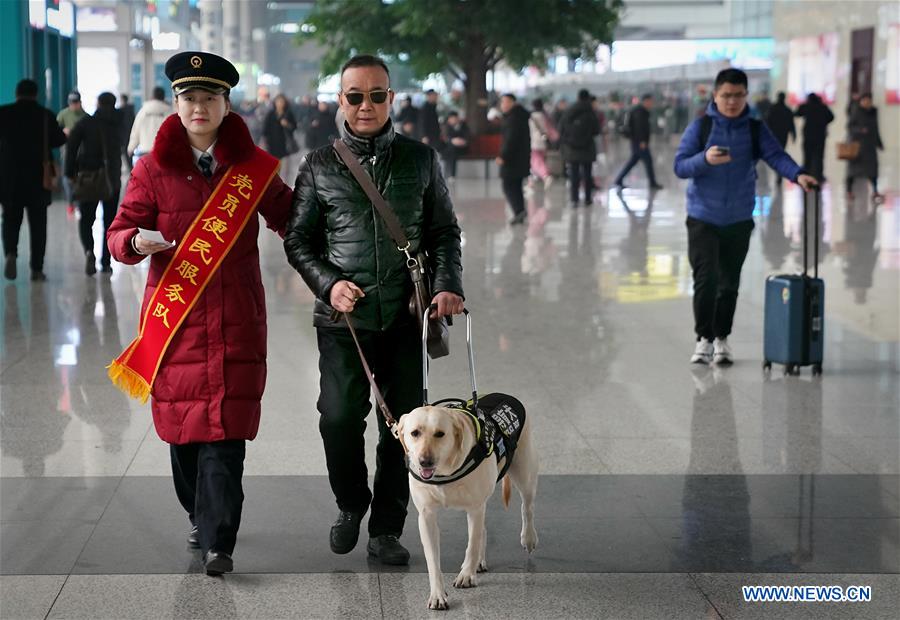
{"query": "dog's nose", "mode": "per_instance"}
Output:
(426, 461)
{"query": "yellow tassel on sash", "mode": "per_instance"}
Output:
(128, 381)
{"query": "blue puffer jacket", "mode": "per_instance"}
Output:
(724, 194)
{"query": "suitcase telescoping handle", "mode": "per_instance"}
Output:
(817, 193)
(425, 364)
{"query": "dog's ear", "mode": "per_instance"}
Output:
(400, 423)
(458, 430)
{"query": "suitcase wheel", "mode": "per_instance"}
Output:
(817, 370)
(767, 366)
(791, 369)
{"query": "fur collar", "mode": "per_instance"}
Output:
(172, 149)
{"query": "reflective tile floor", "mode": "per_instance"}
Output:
(665, 487)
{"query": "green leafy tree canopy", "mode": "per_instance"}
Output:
(465, 37)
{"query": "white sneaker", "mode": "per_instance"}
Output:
(722, 352)
(703, 353)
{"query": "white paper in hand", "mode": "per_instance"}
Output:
(155, 236)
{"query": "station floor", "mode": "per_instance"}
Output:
(665, 487)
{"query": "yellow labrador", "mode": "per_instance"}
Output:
(438, 440)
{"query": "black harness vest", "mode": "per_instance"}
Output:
(498, 421)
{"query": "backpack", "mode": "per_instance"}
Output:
(625, 126)
(706, 128)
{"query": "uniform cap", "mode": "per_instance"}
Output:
(210, 72)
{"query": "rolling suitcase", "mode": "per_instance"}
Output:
(795, 311)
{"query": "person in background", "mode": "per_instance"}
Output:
(577, 131)
(542, 133)
(126, 121)
(862, 127)
(322, 128)
(817, 116)
(28, 134)
(407, 119)
(762, 107)
(721, 196)
(429, 125)
(147, 123)
(211, 372)
(559, 110)
(455, 136)
(95, 143)
(780, 119)
(515, 154)
(637, 128)
(67, 118)
(278, 131)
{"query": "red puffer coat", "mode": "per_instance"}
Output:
(212, 376)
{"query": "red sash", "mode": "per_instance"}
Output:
(205, 245)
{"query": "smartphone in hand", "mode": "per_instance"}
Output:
(723, 150)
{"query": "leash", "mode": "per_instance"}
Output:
(379, 399)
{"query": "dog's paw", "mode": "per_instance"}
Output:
(482, 567)
(437, 601)
(529, 539)
(464, 581)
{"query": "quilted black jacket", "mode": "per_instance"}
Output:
(335, 232)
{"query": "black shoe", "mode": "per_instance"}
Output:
(105, 268)
(38, 276)
(656, 186)
(619, 186)
(9, 269)
(388, 549)
(345, 532)
(573, 204)
(518, 218)
(193, 538)
(90, 263)
(218, 562)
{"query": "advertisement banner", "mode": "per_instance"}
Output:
(813, 67)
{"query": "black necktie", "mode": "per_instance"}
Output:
(205, 164)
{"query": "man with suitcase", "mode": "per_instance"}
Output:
(718, 154)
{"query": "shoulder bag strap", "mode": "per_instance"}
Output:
(365, 181)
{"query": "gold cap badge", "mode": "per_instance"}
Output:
(196, 62)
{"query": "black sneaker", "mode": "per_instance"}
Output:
(9, 268)
(193, 539)
(345, 532)
(38, 276)
(388, 550)
(656, 187)
(90, 263)
(105, 268)
(518, 218)
(218, 562)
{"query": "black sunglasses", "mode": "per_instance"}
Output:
(375, 96)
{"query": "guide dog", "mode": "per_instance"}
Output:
(439, 442)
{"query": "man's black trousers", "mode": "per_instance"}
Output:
(512, 189)
(580, 173)
(716, 255)
(208, 484)
(13, 214)
(637, 154)
(86, 223)
(395, 357)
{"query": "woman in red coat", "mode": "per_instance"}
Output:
(201, 352)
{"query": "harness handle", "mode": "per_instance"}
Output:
(469, 347)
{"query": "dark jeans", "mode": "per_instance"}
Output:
(208, 484)
(814, 160)
(512, 189)
(580, 171)
(13, 214)
(716, 255)
(874, 181)
(86, 223)
(395, 357)
(638, 154)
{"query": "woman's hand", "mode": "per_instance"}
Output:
(148, 247)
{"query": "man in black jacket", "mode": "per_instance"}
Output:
(455, 137)
(429, 125)
(28, 132)
(638, 129)
(515, 154)
(780, 119)
(340, 245)
(578, 128)
(95, 144)
(817, 117)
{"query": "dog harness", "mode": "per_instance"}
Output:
(498, 420)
